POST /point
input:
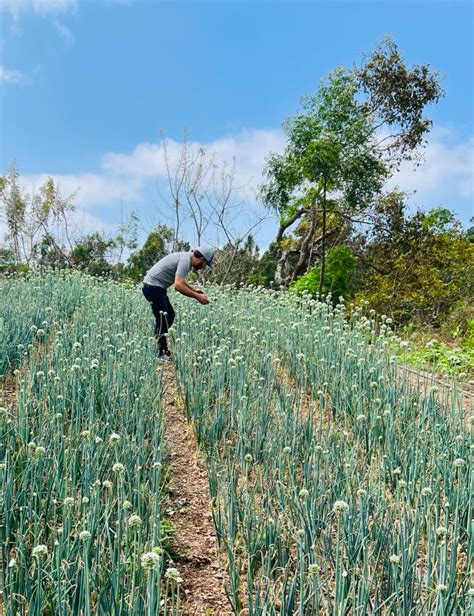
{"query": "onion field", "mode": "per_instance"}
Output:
(337, 485)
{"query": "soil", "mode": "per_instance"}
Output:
(195, 545)
(8, 393)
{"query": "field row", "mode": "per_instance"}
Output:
(82, 475)
(30, 307)
(335, 486)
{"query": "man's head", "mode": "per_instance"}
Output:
(202, 256)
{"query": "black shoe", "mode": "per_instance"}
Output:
(164, 357)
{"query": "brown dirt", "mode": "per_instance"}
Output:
(8, 392)
(190, 512)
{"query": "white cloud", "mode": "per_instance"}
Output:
(123, 176)
(249, 148)
(64, 31)
(89, 188)
(446, 176)
(447, 171)
(15, 7)
(10, 76)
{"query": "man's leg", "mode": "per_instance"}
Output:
(166, 321)
(171, 313)
(160, 306)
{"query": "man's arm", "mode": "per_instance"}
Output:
(183, 287)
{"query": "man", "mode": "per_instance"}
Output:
(169, 270)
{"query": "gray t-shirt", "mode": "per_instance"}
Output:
(162, 274)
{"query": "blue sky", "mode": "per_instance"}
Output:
(86, 87)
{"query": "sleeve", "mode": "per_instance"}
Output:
(184, 266)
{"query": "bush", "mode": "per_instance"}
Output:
(340, 264)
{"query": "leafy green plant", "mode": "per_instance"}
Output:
(340, 265)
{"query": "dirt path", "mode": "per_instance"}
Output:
(190, 512)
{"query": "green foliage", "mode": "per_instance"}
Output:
(442, 357)
(334, 150)
(82, 453)
(329, 142)
(398, 95)
(90, 254)
(157, 245)
(241, 264)
(340, 265)
(421, 269)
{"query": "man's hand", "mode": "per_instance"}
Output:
(183, 287)
(201, 298)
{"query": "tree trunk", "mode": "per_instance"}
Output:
(306, 245)
(323, 243)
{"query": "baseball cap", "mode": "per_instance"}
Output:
(207, 253)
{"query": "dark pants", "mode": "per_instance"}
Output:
(163, 312)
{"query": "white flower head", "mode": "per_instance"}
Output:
(173, 574)
(118, 467)
(40, 551)
(84, 535)
(134, 521)
(394, 558)
(150, 561)
(68, 501)
(340, 506)
(114, 438)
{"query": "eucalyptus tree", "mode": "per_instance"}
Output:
(341, 147)
(32, 218)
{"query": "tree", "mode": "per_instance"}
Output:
(204, 197)
(91, 253)
(29, 218)
(236, 266)
(337, 157)
(340, 267)
(419, 268)
(159, 243)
